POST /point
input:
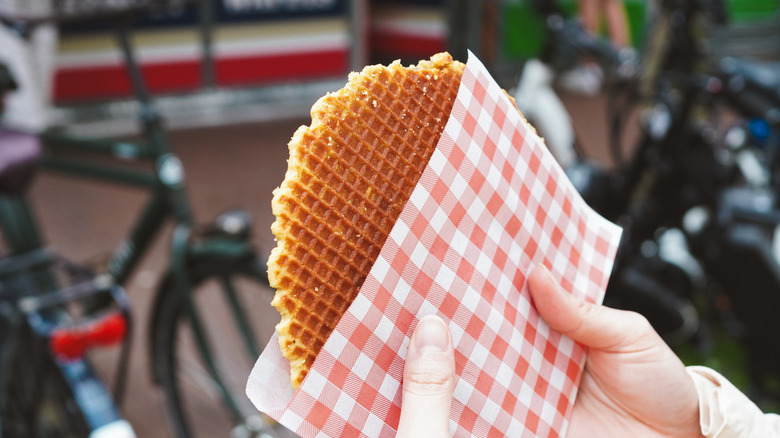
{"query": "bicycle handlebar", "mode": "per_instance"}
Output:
(587, 44)
(569, 40)
(751, 93)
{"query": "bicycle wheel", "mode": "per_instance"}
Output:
(44, 395)
(42, 405)
(194, 402)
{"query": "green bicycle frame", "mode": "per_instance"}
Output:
(168, 199)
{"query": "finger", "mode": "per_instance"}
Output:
(590, 324)
(429, 380)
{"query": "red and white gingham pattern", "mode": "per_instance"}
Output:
(491, 203)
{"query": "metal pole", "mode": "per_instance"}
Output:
(358, 33)
(131, 63)
(464, 19)
(207, 43)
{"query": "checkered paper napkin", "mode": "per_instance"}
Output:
(491, 204)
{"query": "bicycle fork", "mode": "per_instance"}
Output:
(183, 285)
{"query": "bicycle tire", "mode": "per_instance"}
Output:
(40, 409)
(41, 399)
(192, 408)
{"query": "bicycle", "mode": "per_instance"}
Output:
(49, 386)
(714, 199)
(208, 262)
(568, 44)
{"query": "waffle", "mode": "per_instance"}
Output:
(349, 176)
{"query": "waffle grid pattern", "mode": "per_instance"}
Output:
(491, 203)
(351, 172)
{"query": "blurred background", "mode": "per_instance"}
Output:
(665, 114)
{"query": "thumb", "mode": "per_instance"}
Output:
(429, 380)
(593, 325)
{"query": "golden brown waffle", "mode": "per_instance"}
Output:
(348, 177)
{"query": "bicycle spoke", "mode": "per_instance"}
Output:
(196, 372)
(240, 317)
(215, 354)
(206, 354)
(200, 378)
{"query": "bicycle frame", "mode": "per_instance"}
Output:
(166, 183)
(168, 200)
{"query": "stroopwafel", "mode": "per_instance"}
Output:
(349, 175)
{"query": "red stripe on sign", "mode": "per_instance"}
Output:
(266, 68)
(100, 82)
(400, 44)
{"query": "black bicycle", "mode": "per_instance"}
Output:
(210, 317)
(696, 200)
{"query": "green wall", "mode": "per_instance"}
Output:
(524, 33)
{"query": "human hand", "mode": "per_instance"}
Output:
(633, 384)
(429, 380)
